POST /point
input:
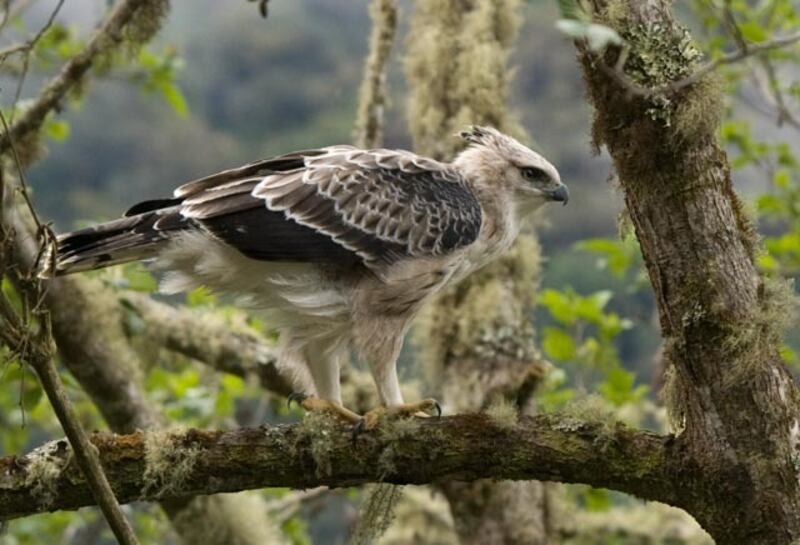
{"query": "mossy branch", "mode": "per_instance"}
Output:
(314, 453)
(27, 334)
(123, 22)
(372, 98)
(200, 337)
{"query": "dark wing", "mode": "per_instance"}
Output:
(338, 204)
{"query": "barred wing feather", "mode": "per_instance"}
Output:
(337, 204)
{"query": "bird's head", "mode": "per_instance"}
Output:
(499, 162)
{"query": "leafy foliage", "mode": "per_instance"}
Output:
(583, 341)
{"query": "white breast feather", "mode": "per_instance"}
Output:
(289, 293)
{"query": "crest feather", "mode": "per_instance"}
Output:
(482, 136)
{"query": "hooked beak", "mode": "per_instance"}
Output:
(560, 194)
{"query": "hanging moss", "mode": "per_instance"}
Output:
(373, 96)
(168, 464)
(318, 429)
(700, 110)
(475, 340)
(421, 516)
(149, 19)
(376, 513)
(233, 519)
(44, 466)
(503, 413)
(456, 66)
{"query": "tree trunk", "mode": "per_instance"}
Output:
(476, 338)
(731, 395)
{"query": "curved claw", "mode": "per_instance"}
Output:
(297, 397)
(438, 409)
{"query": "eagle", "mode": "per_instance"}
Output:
(339, 246)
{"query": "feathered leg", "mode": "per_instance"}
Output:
(381, 349)
(323, 361)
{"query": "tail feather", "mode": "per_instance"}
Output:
(115, 242)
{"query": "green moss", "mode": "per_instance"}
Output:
(615, 13)
(503, 413)
(376, 513)
(392, 432)
(658, 55)
(168, 464)
(317, 431)
(673, 394)
(43, 467)
(148, 20)
(590, 410)
(700, 109)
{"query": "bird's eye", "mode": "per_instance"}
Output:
(533, 174)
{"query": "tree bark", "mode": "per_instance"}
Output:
(165, 465)
(734, 399)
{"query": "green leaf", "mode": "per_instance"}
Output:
(139, 279)
(56, 130)
(558, 345)
(753, 32)
(200, 297)
(788, 355)
(618, 387)
(597, 499)
(174, 97)
(617, 255)
(590, 308)
(559, 305)
(31, 394)
(769, 203)
(767, 263)
(296, 530)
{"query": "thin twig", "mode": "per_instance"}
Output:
(27, 48)
(21, 172)
(85, 453)
(6, 12)
(70, 75)
(38, 351)
(10, 15)
(740, 54)
(773, 90)
(30, 44)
